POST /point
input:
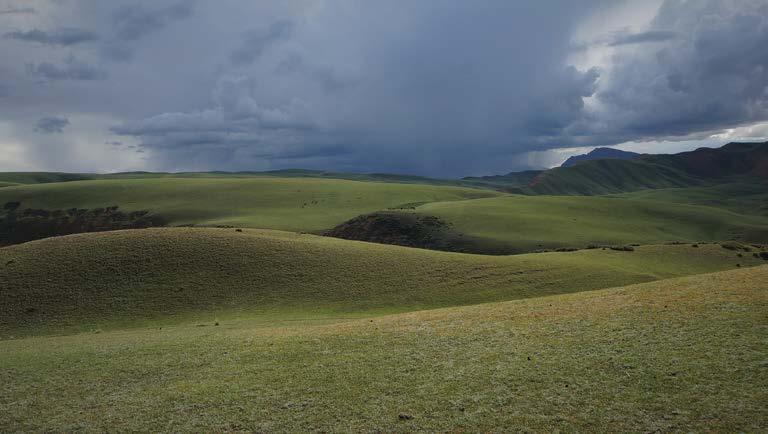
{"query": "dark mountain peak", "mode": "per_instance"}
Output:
(600, 154)
(734, 162)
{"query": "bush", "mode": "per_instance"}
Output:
(733, 245)
(623, 248)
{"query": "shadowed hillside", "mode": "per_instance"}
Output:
(600, 154)
(95, 280)
(730, 163)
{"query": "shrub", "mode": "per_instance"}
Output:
(566, 249)
(11, 206)
(623, 248)
(733, 245)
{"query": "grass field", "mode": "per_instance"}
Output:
(294, 204)
(492, 220)
(527, 223)
(743, 198)
(684, 354)
(262, 326)
(114, 279)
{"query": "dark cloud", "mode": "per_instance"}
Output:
(70, 70)
(50, 125)
(135, 21)
(17, 10)
(405, 90)
(713, 75)
(643, 37)
(65, 36)
(255, 42)
(438, 88)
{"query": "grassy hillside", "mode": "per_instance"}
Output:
(480, 220)
(743, 198)
(49, 177)
(513, 182)
(526, 223)
(674, 355)
(296, 204)
(101, 279)
(41, 177)
(742, 162)
(609, 176)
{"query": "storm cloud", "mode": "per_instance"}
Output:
(436, 88)
(137, 20)
(69, 70)
(712, 75)
(642, 37)
(50, 125)
(67, 36)
(17, 10)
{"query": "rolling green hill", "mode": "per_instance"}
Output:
(514, 182)
(516, 224)
(50, 177)
(684, 354)
(597, 177)
(734, 162)
(103, 279)
(480, 220)
(295, 204)
(41, 177)
(742, 198)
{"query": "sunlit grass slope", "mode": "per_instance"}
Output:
(108, 279)
(530, 222)
(685, 354)
(296, 204)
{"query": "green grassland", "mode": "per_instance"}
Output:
(262, 325)
(610, 176)
(527, 223)
(685, 354)
(742, 198)
(113, 279)
(294, 204)
(50, 177)
(493, 221)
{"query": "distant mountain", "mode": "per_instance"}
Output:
(513, 182)
(600, 154)
(734, 162)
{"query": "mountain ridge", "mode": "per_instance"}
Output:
(599, 154)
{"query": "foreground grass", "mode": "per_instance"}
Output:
(532, 222)
(170, 275)
(686, 354)
(293, 204)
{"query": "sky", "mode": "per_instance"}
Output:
(442, 88)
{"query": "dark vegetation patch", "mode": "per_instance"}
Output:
(623, 248)
(415, 230)
(19, 225)
(733, 245)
